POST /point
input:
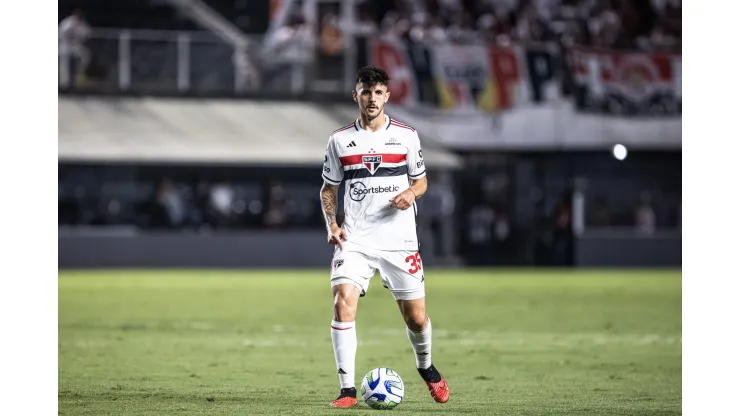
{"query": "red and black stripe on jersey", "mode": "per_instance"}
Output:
(387, 158)
(380, 173)
(348, 126)
(400, 124)
(360, 171)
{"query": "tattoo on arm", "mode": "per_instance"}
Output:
(329, 195)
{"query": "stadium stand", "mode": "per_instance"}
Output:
(131, 14)
(246, 157)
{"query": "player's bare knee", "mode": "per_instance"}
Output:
(416, 320)
(343, 312)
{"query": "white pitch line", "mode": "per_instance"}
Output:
(504, 339)
(272, 343)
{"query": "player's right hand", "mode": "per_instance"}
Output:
(337, 235)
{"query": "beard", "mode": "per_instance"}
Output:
(372, 116)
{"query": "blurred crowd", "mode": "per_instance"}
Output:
(185, 205)
(285, 52)
(505, 209)
(648, 25)
(651, 211)
(224, 205)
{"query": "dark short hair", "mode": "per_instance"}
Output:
(372, 75)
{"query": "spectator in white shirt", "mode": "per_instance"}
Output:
(74, 55)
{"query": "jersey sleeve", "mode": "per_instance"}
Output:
(333, 172)
(415, 158)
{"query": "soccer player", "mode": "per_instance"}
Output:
(380, 161)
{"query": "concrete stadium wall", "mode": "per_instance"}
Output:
(306, 249)
(175, 250)
(628, 250)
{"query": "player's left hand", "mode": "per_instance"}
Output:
(404, 200)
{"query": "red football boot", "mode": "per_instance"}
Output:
(347, 398)
(437, 384)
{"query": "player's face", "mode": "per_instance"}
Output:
(371, 98)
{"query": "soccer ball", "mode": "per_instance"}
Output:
(382, 388)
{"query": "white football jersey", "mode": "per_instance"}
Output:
(375, 167)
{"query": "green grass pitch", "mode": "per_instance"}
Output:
(258, 343)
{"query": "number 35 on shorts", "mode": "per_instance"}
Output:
(414, 262)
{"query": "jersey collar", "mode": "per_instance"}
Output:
(387, 124)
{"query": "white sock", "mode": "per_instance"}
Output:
(422, 344)
(344, 340)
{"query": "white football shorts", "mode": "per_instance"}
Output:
(400, 271)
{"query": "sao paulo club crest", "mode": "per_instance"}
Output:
(372, 162)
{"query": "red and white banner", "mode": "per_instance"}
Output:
(627, 83)
(494, 79)
(466, 77)
(523, 85)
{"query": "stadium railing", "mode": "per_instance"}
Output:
(173, 62)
